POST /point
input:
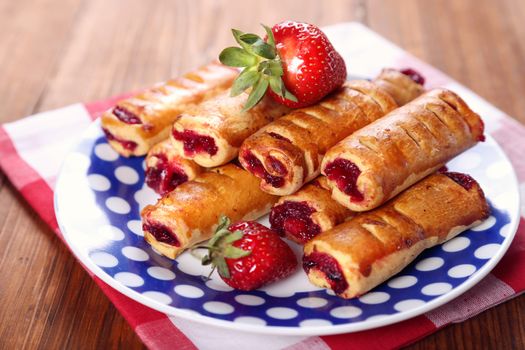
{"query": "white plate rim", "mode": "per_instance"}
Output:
(296, 331)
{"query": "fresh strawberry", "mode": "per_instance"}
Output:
(248, 255)
(295, 60)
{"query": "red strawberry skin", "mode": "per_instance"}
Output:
(312, 68)
(271, 258)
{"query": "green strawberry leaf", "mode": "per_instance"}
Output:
(235, 236)
(232, 252)
(247, 78)
(224, 222)
(270, 39)
(264, 50)
(237, 57)
(222, 267)
(249, 38)
(256, 94)
(277, 85)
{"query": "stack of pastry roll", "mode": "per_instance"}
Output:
(287, 153)
(189, 214)
(135, 124)
(361, 253)
(212, 133)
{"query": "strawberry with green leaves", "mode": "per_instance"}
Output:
(295, 61)
(248, 255)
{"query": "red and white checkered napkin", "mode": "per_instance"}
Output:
(32, 149)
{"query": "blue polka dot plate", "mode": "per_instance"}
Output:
(99, 196)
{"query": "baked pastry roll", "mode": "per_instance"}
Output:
(176, 222)
(308, 212)
(361, 253)
(135, 124)
(167, 169)
(287, 153)
(382, 159)
(212, 133)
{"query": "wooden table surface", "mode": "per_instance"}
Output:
(54, 53)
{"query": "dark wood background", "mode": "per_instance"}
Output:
(53, 53)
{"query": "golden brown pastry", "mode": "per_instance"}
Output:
(135, 124)
(287, 153)
(382, 159)
(212, 133)
(358, 255)
(308, 212)
(166, 168)
(189, 214)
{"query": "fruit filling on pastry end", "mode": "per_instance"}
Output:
(255, 166)
(328, 267)
(345, 174)
(414, 75)
(196, 143)
(462, 179)
(293, 220)
(126, 144)
(126, 116)
(164, 177)
(161, 233)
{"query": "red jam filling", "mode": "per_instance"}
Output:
(126, 116)
(443, 169)
(329, 267)
(293, 220)
(129, 145)
(462, 179)
(278, 137)
(161, 233)
(345, 174)
(164, 177)
(414, 75)
(255, 166)
(196, 143)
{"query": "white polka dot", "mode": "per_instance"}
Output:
(145, 196)
(487, 251)
(456, 244)
(505, 230)
(135, 226)
(250, 320)
(161, 273)
(191, 265)
(250, 300)
(408, 304)
(218, 285)
(103, 259)
(469, 160)
(109, 232)
(135, 253)
(312, 302)
(376, 317)
(346, 312)
(187, 291)
(98, 182)
(374, 298)
(218, 307)
(129, 279)
(126, 175)
(118, 205)
(315, 322)
(281, 313)
(485, 225)
(461, 271)
(144, 165)
(430, 264)
(330, 292)
(402, 282)
(436, 288)
(503, 200)
(158, 296)
(498, 170)
(105, 152)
